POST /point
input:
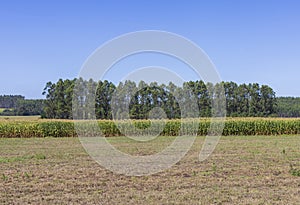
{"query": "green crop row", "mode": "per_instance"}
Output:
(36, 129)
(108, 128)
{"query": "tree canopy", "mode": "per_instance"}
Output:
(138, 99)
(288, 107)
(18, 105)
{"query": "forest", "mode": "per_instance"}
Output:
(241, 100)
(288, 107)
(10, 101)
(244, 100)
(17, 105)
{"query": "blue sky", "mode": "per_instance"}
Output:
(248, 41)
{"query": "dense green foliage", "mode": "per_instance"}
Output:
(29, 107)
(233, 126)
(18, 105)
(288, 107)
(245, 100)
(59, 99)
(25, 129)
(99, 97)
(10, 101)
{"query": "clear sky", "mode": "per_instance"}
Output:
(248, 41)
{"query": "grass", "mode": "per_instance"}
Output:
(242, 170)
(21, 158)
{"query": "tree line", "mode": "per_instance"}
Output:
(17, 105)
(288, 107)
(137, 99)
(10, 101)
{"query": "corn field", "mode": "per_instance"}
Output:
(63, 128)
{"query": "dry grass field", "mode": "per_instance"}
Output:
(20, 118)
(242, 170)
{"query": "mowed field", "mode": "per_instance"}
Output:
(241, 170)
